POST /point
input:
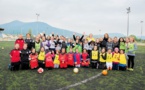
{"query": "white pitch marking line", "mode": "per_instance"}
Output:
(81, 82)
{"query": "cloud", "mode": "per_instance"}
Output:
(88, 16)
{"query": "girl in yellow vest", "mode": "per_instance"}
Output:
(94, 55)
(109, 59)
(41, 57)
(56, 60)
(122, 60)
(102, 57)
(116, 56)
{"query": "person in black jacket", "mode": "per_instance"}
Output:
(24, 54)
(30, 42)
(105, 40)
(63, 43)
(77, 38)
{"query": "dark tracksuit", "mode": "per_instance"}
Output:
(64, 45)
(25, 59)
(30, 43)
(103, 43)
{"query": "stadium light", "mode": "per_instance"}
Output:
(128, 11)
(141, 30)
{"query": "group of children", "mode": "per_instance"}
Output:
(57, 53)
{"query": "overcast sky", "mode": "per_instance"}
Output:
(80, 16)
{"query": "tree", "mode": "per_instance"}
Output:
(30, 32)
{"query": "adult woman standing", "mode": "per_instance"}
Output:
(105, 40)
(30, 42)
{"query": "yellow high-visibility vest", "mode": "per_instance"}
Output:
(95, 55)
(109, 57)
(122, 59)
(116, 57)
(101, 59)
(56, 60)
(41, 56)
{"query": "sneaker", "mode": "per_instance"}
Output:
(131, 69)
(128, 69)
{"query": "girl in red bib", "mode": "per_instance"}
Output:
(33, 59)
(49, 60)
(85, 58)
(63, 59)
(15, 58)
(70, 58)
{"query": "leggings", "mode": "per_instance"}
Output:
(115, 66)
(131, 61)
(94, 65)
(102, 65)
(122, 68)
(25, 65)
(15, 66)
(41, 64)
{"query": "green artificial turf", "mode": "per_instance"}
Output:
(58, 78)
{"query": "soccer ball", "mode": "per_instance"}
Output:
(40, 70)
(76, 70)
(104, 72)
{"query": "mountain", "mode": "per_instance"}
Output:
(18, 27)
(112, 35)
(143, 37)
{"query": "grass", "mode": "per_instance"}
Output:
(58, 78)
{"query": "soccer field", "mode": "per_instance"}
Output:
(58, 78)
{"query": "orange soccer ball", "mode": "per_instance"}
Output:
(104, 72)
(40, 70)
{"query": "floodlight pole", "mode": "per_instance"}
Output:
(128, 11)
(141, 30)
(37, 21)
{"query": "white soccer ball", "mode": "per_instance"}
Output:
(40, 70)
(76, 70)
